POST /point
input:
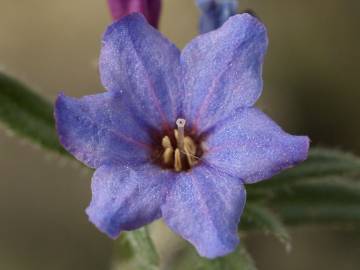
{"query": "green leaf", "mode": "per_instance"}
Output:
(239, 259)
(321, 163)
(330, 201)
(261, 218)
(329, 214)
(326, 189)
(27, 114)
(143, 248)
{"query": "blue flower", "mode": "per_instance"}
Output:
(215, 13)
(177, 135)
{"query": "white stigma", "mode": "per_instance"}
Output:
(180, 139)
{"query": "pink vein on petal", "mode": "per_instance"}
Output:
(156, 100)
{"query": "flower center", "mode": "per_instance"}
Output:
(179, 152)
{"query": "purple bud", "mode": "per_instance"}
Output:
(149, 8)
(215, 12)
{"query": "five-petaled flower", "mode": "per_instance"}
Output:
(176, 135)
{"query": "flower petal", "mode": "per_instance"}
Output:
(150, 9)
(101, 128)
(249, 145)
(137, 60)
(222, 70)
(204, 207)
(126, 199)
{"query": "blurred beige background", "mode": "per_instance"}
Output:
(311, 87)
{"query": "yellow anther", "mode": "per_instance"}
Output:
(189, 145)
(166, 143)
(177, 163)
(168, 155)
(190, 151)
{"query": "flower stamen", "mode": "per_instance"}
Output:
(177, 163)
(169, 150)
(180, 151)
(190, 151)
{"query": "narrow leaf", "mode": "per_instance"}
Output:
(27, 114)
(330, 201)
(144, 250)
(321, 163)
(327, 200)
(261, 218)
(340, 190)
(329, 214)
